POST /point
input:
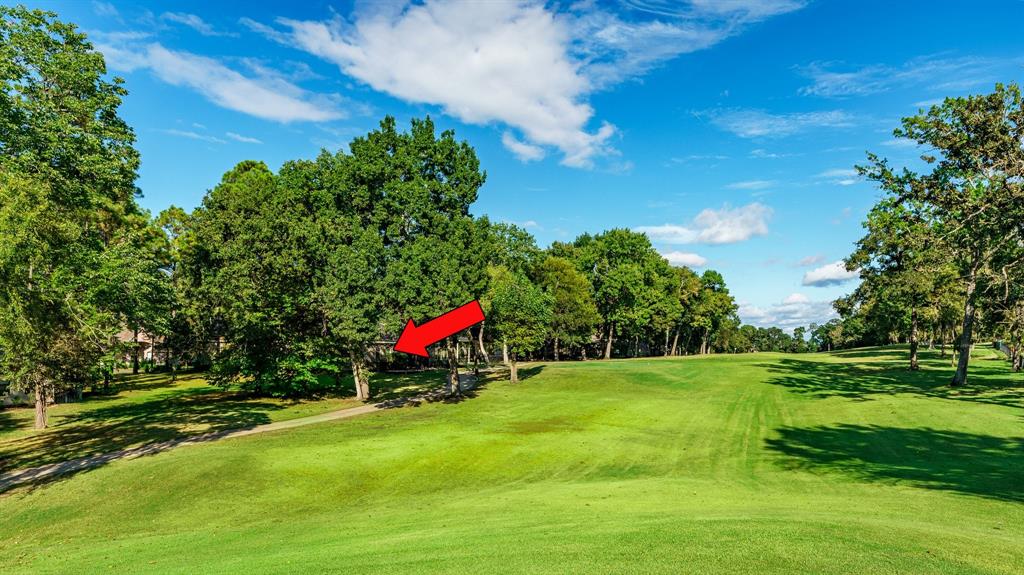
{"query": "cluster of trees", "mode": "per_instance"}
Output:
(301, 273)
(283, 282)
(78, 259)
(942, 256)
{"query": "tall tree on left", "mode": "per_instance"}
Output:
(67, 189)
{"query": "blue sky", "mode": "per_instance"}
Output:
(726, 130)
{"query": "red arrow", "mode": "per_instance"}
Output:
(415, 339)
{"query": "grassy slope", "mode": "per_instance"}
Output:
(150, 408)
(750, 464)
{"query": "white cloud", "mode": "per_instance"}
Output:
(725, 226)
(900, 143)
(838, 173)
(796, 298)
(243, 139)
(265, 96)
(698, 158)
(105, 9)
(194, 136)
(482, 62)
(831, 274)
(614, 48)
(760, 124)
(752, 185)
(525, 152)
(935, 72)
(840, 176)
(794, 311)
(810, 260)
(522, 64)
(688, 259)
(194, 22)
(765, 154)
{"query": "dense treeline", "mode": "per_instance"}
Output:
(285, 282)
(298, 275)
(941, 261)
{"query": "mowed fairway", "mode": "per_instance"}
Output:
(763, 463)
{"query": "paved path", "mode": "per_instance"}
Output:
(44, 472)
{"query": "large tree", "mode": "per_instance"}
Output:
(67, 187)
(573, 313)
(622, 267)
(521, 313)
(974, 189)
(902, 259)
(712, 307)
(416, 188)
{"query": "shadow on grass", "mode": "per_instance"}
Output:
(972, 464)
(401, 389)
(117, 427)
(150, 381)
(103, 433)
(528, 372)
(8, 422)
(389, 387)
(989, 381)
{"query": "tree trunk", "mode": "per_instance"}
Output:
(704, 342)
(960, 377)
(556, 349)
(914, 366)
(675, 341)
(135, 357)
(504, 352)
(40, 405)
(942, 342)
(480, 343)
(454, 388)
(359, 375)
(608, 345)
(513, 371)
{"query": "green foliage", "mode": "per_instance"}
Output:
(520, 312)
(73, 263)
(328, 255)
(966, 211)
(573, 312)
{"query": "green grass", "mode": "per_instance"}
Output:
(148, 408)
(764, 463)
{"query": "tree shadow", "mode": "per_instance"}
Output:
(989, 382)
(8, 422)
(528, 372)
(887, 354)
(981, 465)
(117, 427)
(98, 435)
(434, 393)
(395, 386)
(150, 381)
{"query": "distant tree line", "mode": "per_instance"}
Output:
(941, 260)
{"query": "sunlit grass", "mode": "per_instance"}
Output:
(760, 463)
